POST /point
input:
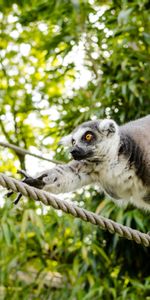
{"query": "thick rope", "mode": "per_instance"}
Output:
(26, 152)
(71, 208)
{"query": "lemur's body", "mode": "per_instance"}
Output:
(116, 158)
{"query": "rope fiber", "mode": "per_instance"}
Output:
(70, 208)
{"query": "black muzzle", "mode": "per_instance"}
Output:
(79, 154)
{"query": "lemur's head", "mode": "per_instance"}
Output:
(93, 140)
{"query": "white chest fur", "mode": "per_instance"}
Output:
(121, 182)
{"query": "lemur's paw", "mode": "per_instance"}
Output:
(35, 182)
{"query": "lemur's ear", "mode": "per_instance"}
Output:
(66, 140)
(108, 127)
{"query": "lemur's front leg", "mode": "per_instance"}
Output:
(66, 178)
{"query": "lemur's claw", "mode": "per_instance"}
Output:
(22, 172)
(17, 198)
(9, 194)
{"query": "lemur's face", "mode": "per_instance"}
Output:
(91, 140)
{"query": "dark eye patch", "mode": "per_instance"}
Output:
(88, 137)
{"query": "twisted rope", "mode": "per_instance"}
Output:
(71, 208)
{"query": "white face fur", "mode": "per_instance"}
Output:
(94, 141)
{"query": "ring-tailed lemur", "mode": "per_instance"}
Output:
(115, 157)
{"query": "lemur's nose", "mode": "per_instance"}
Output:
(77, 153)
(74, 152)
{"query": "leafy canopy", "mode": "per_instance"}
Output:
(62, 63)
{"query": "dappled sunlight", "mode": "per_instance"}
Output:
(63, 63)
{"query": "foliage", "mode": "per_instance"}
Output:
(62, 63)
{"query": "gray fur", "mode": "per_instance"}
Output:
(138, 132)
(117, 159)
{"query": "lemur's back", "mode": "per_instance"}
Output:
(139, 132)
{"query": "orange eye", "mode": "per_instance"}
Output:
(88, 137)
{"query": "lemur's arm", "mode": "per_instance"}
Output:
(65, 178)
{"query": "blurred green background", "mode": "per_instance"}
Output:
(62, 63)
